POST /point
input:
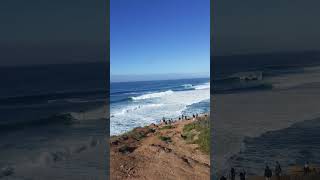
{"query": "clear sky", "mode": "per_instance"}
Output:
(159, 37)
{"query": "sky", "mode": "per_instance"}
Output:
(159, 37)
(50, 32)
(257, 26)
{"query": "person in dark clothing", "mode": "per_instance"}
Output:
(223, 178)
(233, 174)
(306, 168)
(242, 175)
(267, 173)
(278, 170)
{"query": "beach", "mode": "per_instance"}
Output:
(162, 151)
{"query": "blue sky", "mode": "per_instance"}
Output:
(159, 37)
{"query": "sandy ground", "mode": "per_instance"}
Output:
(152, 158)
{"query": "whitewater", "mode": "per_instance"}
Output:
(151, 107)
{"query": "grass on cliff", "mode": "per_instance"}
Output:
(198, 133)
(166, 127)
(165, 139)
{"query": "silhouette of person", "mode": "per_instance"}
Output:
(267, 173)
(223, 178)
(242, 175)
(306, 168)
(278, 170)
(233, 174)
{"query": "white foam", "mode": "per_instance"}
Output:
(131, 108)
(152, 95)
(168, 105)
(98, 113)
(187, 86)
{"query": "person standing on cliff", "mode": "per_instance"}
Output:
(267, 173)
(233, 174)
(242, 175)
(278, 170)
(306, 168)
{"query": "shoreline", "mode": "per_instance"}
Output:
(163, 151)
(160, 123)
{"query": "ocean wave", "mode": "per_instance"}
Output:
(172, 105)
(202, 86)
(130, 109)
(90, 114)
(50, 97)
(65, 119)
(76, 100)
(124, 99)
(287, 81)
(187, 86)
(152, 95)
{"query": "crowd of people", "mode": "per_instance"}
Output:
(183, 117)
(267, 172)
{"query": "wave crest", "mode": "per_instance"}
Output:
(152, 95)
(203, 86)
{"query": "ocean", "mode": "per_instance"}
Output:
(266, 110)
(53, 121)
(137, 104)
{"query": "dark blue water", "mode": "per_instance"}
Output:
(43, 91)
(47, 108)
(227, 70)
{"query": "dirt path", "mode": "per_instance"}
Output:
(157, 153)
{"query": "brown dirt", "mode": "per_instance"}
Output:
(141, 154)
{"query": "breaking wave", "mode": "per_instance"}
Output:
(152, 95)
